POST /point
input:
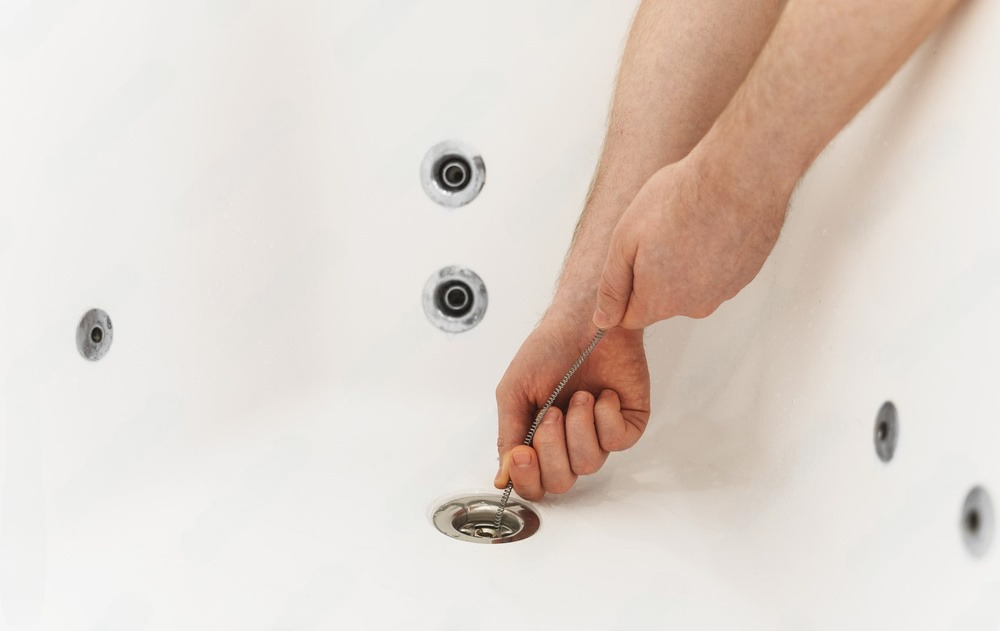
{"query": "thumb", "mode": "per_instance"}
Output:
(616, 282)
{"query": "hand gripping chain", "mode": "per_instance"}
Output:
(541, 414)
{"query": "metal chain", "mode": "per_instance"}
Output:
(538, 419)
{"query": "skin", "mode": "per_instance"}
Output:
(699, 230)
(707, 47)
(715, 119)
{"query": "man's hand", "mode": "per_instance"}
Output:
(690, 240)
(681, 65)
(699, 229)
(608, 409)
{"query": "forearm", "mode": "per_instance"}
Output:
(683, 61)
(823, 62)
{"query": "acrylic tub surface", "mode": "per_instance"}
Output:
(238, 187)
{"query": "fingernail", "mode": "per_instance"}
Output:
(496, 480)
(522, 458)
(550, 416)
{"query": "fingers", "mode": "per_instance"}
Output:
(616, 281)
(615, 431)
(564, 449)
(585, 453)
(542, 468)
(521, 466)
(553, 457)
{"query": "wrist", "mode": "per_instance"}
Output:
(735, 179)
(575, 296)
(584, 264)
(750, 162)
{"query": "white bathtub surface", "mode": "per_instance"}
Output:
(236, 184)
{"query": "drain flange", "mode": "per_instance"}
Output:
(471, 518)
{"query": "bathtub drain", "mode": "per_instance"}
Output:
(485, 531)
(471, 518)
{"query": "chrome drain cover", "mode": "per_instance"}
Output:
(471, 518)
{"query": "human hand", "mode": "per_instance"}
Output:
(575, 442)
(690, 240)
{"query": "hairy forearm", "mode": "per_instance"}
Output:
(683, 61)
(823, 62)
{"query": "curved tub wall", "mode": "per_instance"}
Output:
(237, 187)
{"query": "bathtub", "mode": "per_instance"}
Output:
(273, 419)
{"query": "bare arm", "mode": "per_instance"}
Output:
(824, 62)
(700, 231)
(683, 62)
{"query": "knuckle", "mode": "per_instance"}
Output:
(532, 495)
(633, 321)
(612, 443)
(605, 405)
(559, 487)
(546, 436)
(503, 393)
(663, 309)
(581, 398)
(703, 311)
(586, 466)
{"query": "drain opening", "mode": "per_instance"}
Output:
(472, 518)
(488, 531)
(480, 522)
(452, 173)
